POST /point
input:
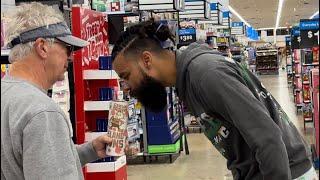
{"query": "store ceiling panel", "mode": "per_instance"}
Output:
(262, 13)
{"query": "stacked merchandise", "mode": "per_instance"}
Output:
(310, 60)
(289, 66)
(297, 81)
(267, 61)
(167, 124)
(135, 129)
(4, 69)
(251, 59)
(314, 77)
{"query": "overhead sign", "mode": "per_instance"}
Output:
(196, 9)
(161, 5)
(295, 38)
(309, 33)
(288, 41)
(216, 13)
(237, 28)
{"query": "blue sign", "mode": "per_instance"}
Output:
(214, 6)
(189, 31)
(288, 38)
(249, 32)
(226, 14)
(309, 25)
(236, 24)
(295, 31)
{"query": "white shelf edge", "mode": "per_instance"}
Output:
(96, 105)
(107, 166)
(99, 74)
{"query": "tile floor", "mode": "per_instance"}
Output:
(204, 161)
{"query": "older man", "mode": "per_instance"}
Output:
(35, 133)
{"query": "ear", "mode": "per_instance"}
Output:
(41, 48)
(146, 57)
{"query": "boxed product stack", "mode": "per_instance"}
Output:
(297, 81)
(165, 123)
(310, 61)
(314, 74)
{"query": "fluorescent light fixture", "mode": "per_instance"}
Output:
(238, 15)
(280, 5)
(316, 13)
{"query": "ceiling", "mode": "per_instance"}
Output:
(263, 13)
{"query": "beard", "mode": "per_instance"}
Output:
(151, 93)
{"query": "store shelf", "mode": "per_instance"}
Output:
(299, 105)
(297, 75)
(99, 74)
(305, 82)
(306, 101)
(89, 136)
(96, 105)
(107, 166)
(313, 64)
(5, 56)
(307, 119)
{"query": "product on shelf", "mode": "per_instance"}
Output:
(307, 111)
(4, 69)
(117, 128)
(306, 93)
(315, 52)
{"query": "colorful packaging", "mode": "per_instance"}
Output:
(315, 52)
(117, 128)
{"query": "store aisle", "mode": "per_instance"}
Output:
(204, 161)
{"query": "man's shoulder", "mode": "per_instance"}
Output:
(25, 97)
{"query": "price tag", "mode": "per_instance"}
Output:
(187, 36)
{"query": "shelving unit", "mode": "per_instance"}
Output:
(309, 61)
(88, 80)
(267, 61)
(99, 74)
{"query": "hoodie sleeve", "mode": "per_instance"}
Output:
(223, 91)
(86, 153)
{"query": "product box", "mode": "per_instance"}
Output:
(117, 128)
(315, 52)
(107, 170)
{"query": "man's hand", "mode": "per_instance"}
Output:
(99, 144)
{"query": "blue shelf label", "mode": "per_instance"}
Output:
(189, 31)
(236, 24)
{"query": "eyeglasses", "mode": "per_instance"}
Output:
(69, 47)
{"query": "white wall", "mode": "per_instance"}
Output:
(280, 39)
(7, 4)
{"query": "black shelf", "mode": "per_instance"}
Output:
(4, 57)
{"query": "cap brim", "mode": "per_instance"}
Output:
(76, 42)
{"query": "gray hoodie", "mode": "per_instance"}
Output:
(240, 117)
